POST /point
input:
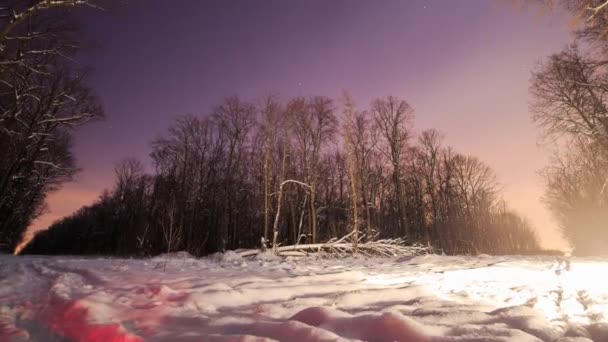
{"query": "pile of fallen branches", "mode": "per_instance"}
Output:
(344, 246)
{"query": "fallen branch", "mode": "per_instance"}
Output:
(343, 247)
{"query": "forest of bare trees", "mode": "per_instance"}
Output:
(309, 169)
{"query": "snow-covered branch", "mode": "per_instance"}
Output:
(343, 247)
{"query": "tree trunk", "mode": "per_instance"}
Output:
(313, 214)
(275, 228)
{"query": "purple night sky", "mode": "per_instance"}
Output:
(463, 65)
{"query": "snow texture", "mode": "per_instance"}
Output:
(225, 298)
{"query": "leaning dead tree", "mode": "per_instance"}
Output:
(275, 227)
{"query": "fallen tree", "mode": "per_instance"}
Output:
(344, 246)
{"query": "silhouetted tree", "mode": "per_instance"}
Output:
(313, 125)
(570, 105)
(394, 118)
(577, 195)
(42, 100)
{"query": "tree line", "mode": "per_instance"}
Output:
(301, 170)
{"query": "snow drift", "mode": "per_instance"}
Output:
(226, 298)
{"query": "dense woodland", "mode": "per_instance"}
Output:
(217, 178)
(298, 170)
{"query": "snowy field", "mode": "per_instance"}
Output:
(427, 298)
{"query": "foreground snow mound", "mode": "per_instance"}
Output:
(227, 298)
(175, 255)
(228, 256)
(267, 256)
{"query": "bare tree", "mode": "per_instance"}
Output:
(591, 17)
(127, 171)
(364, 140)
(570, 105)
(576, 195)
(430, 160)
(353, 164)
(19, 12)
(235, 119)
(313, 124)
(570, 93)
(42, 99)
(394, 118)
(172, 231)
(271, 111)
(475, 180)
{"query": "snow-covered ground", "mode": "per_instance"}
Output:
(425, 298)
